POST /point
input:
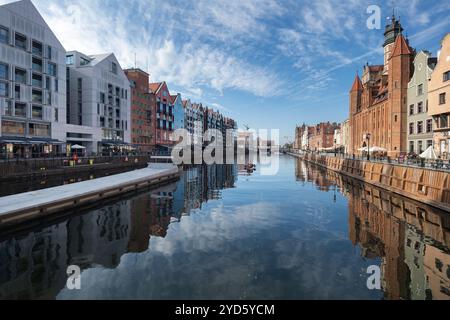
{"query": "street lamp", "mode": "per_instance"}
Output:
(368, 146)
(335, 149)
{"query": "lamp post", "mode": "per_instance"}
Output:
(335, 149)
(368, 146)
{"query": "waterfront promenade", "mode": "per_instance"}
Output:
(427, 185)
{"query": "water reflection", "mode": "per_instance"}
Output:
(303, 234)
(412, 239)
(33, 265)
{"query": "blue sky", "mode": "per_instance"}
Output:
(266, 63)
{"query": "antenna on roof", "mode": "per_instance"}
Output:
(135, 61)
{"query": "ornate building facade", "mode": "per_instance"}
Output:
(378, 101)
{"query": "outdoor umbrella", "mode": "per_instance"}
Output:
(77, 147)
(377, 149)
(429, 154)
(363, 149)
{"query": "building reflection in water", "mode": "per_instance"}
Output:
(412, 239)
(33, 265)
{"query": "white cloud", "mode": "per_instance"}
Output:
(130, 28)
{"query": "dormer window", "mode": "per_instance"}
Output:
(84, 61)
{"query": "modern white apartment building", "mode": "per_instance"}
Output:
(98, 103)
(32, 84)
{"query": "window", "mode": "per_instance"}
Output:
(21, 76)
(411, 147)
(420, 107)
(70, 60)
(13, 128)
(56, 115)
(49, 52)
(114, 68)
(4, 89)
(36, 112)
(429, 143)
(37, 96)
(8, 108)
(84, 61)
(411, 128)
(4, 71)
(51, 69)
(429, 126)
(420, 89)
(39, 130)
(411, 110)
(49, 98)
(442, 98)
(443, 121)
(37, 80)
(37, 48)
(446, 76)
(56, 85)
(48, 84)
(17, 92)
(4, 35)
(21, 110)
(102, 97)
(21, 41)
(37, 64)
(420, 146)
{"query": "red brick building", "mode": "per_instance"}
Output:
(322, 136)
(378, 102)
(164, 126)
(143, 106)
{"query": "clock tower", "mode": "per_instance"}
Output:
(392, 31)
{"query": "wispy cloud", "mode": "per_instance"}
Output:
(151, 31)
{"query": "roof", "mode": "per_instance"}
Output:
(97, 58)
(154, 87)
(376, 68)
(357, 84)
(401, 47)
(173, 99)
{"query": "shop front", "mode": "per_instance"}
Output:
(29, 148)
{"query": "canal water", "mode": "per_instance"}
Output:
(224, 233)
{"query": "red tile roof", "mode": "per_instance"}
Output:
(357, 84)
(154, 86)
(401, 47)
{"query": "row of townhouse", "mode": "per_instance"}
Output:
(200, 119)
(320, 137)
(54, 102)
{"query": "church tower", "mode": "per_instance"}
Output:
(390, 35)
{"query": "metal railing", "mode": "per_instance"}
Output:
(19, 166)
(438, 164)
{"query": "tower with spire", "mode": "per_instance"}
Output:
(390, 34)
(378, 99)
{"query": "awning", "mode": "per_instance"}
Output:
(28, 141)
(116, 143)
